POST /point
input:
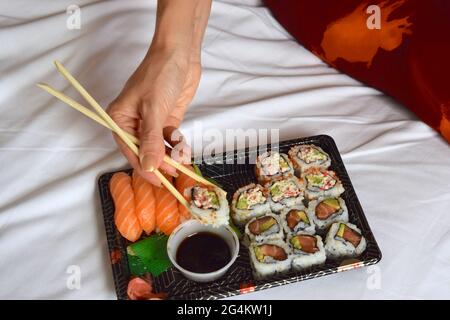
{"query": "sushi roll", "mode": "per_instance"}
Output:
(273, 165)
(326, 211)
(269, 258)
(308, 155)
(307, 251)
(344, 240)
(209, 205)
(263, 228)
(248, 202)
(321, 183)
(297, 219)
(285, 193)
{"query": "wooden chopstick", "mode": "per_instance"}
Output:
(102, 113)
(79, 107)
(113, 126)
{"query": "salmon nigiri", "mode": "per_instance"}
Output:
(183, 182)
(167, 214)
(145, 202)
(125, 214)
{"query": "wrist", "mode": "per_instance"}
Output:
(180, 26)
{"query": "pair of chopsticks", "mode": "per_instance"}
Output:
(105, 120)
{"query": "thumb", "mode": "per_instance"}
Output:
(152, 149)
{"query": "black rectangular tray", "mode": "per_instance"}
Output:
(232, 170)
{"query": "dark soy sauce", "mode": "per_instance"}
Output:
(203, 252)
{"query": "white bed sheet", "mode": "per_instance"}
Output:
(254, 76)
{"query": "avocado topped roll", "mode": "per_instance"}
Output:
(308, 155)
(272, 165)
(209, 205)
(344, 239)
(269, 258)
(321, 183)
(297, 219)
(285, 193)
(325, 211)
(308, 251)
(264, 228)
(248, 202)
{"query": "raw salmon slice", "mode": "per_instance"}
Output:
(125, 210)
(145, 203)
(167, 213)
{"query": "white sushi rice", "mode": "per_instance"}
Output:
(216, 218)
(302, 260)
(270, 266)
(277, 206)
(338, 248)
(301, 226)
(273, 233)
(301, 165)
(264, 175)
(242, 216)
(341, 215)
(312, 192)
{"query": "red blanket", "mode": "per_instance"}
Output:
(401, 47)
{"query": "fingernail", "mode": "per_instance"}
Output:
(147, 164)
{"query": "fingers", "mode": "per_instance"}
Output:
(152, 149)
(122, 113)
(134, 162)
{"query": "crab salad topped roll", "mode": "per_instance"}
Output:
(305, 156)
(272, 165)
(321, 183)
(209, 205)
(248, 202)
(285, 193)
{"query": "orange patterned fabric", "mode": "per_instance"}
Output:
(401, 47)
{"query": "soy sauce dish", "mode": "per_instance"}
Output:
(202, 253)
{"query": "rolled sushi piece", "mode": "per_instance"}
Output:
(248, 202)
(267, 227)
(285, 193)
(308, 155)
(273, 165)
(209, 205)
(321, 183)
(269, 258)
(297, 219)
(344, 239)
(326, 211)
(307, 251)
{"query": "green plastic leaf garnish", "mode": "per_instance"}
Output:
(149, 255)
(235, 229)
(197, 170)
(137, 267)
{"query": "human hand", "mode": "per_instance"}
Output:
(152, 105)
